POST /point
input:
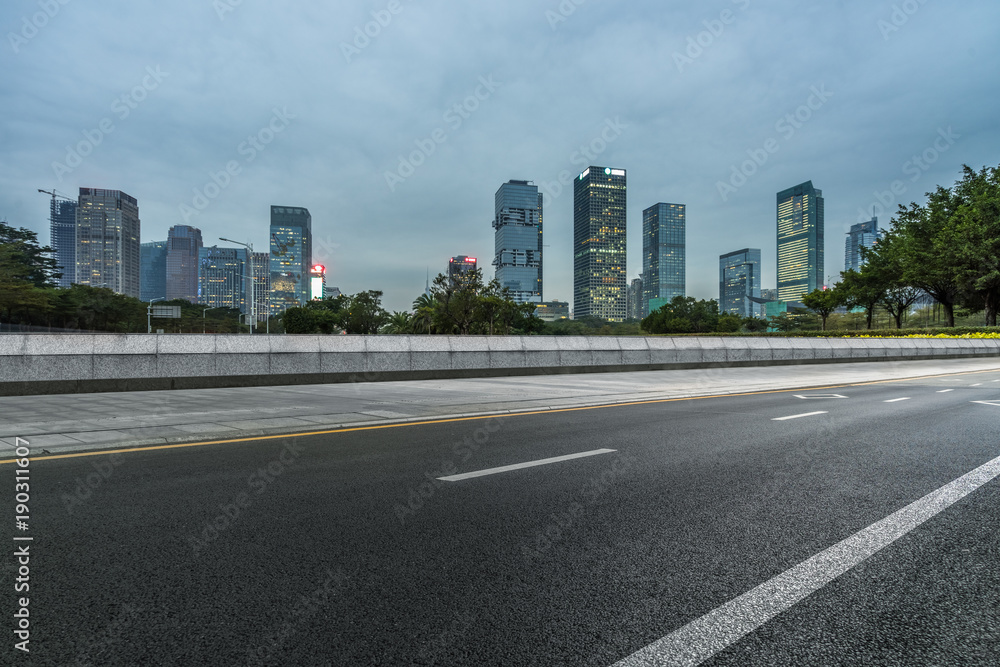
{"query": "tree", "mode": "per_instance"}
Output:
(970, 240)
(918, 229)
(399, 323)
(684, 314)
(862, 289)
(457, 302)
(424, 309)
(366, 315)
(754, 324)
(40, 268)
(823, 302)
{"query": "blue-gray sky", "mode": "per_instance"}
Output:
(163, 97)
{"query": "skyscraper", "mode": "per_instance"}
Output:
(222, 275)
(107, 240)
(599, 251)
(183, 246)
(153, 270)
(290, 257)
(862, 235)
(261, 262)
(739, 280)
(518, 240)
(634, 305)
(800, 241)
(62, 231)
(664, 255)
(461, 265)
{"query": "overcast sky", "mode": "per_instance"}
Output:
(303, 108)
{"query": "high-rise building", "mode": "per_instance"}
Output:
(664, 255)
(153, 270)
(290, 258)
(800, 241)
(862, 235)
(634, 304)
(599, 250)
(317, 282)
(62, 229)
(222, 277)
(107, 240)
(739, 283)
(261, 284)
(518, 240)
(459, 266)
(183, 246)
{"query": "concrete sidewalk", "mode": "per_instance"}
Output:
(78, 422)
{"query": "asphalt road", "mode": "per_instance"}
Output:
(347, 549)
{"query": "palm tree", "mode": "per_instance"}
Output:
(424, 309)
(399, 323)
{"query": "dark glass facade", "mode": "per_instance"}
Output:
(153, 270)
(862, 235)
(739, 279)
(461, 265)
(800, 241)
(518, 240)
(183, 246)
(62, 229)
(599, 246)
(664, 254)
(290, 257)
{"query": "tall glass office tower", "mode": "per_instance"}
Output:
(862, 235)
(183, 246)
(664, 255)
(290, 257)
(62, 229)
(107, 240)
(599, 253)
(222, 277)
(739, 279)
(518, 240)
(153, 270)
(800, 241)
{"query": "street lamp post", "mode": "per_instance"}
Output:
(149, 313)
(203, 327)
(249, 290)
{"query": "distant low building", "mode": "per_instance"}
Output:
(552, 311)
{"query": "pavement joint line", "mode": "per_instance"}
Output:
(134, 447)
(807, 414)
(520, 466)
(897, 400)
(704, 637)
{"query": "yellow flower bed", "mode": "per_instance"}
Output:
(993, 334)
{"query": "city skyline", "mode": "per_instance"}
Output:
(718, 121)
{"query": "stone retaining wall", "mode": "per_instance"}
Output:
(45, 364)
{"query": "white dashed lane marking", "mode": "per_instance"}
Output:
(807, 414)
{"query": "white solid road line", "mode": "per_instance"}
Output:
(896, 400)
(529, 464)
(702, 638)
(808, 414)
